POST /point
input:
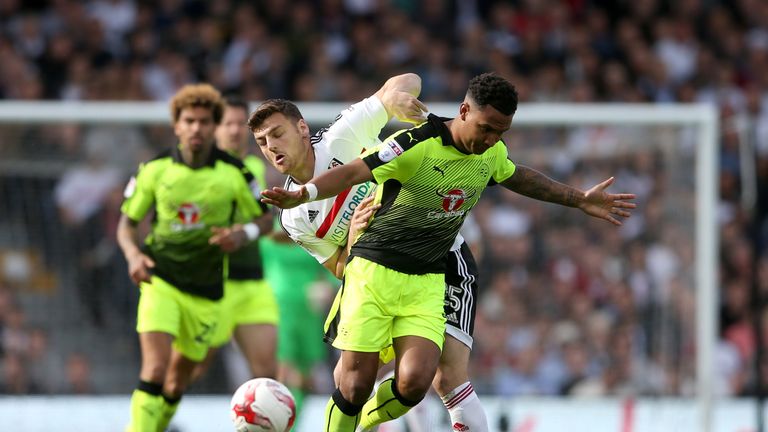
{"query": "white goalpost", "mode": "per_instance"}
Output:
(702, 119)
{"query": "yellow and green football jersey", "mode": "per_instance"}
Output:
(187, 202)
(426, 189)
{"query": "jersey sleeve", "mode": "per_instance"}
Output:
(320, 249)
(139, 193)
(248, 194)
(357, 128)
(394, 160)
(259, 182)
(504, 167)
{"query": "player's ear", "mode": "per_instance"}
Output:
(464, 110)
(303, 128)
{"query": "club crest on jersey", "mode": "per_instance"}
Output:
(188, 215)
(390, 150)
(452, 202)
(454, 199)
(485, 170)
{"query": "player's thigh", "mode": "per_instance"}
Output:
(420, 307)
(258, 343)
(454, 363)
(158, 321)
(357, 374)
(179, 374)
(362, 315)
(155, 355)
(199, 320)
(202, 367)
(416, 361)
(159, 308)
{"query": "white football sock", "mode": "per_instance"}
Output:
(467, 414)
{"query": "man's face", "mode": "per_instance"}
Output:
(482, 127)
(282, 141)
(232, 132)
(195, 129)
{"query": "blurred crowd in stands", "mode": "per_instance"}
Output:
(569, 306)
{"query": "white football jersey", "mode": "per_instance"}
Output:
(322, 226)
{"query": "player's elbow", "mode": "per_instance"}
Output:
(409, 83)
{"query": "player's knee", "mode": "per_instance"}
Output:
(448, 377)
(153, 372)
(356, 388)
(413, 386)
(174, 388)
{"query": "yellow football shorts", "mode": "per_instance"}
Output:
(190, 319)
(376, 304)
(244, 302)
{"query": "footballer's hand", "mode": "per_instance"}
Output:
(229, 239)
(139, 266)
(601, 204)
(407, 107)
(284, 199)
(361, 218)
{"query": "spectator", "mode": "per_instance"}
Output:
(553, 50)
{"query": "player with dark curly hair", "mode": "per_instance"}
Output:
(429, 178)
(193, 191)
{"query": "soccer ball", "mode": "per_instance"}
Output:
(263, 405)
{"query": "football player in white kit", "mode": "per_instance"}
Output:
(322, 227)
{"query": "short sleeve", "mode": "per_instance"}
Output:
(139, 194)
(357, 128)
(504, 167)
(259, 182)
(389, 160)
(248, 192)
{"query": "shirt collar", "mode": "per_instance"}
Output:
(439, 123)
(445, 133)
(212, 156)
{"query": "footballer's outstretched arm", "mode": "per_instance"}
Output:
(594, 202)
(326, 185)
(399, 97)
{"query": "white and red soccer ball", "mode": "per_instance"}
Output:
(263, 405)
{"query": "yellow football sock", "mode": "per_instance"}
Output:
(340, 414)
(387, 404)
(170, 405)
(146, 408)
